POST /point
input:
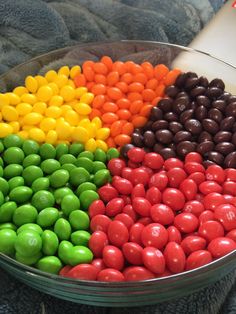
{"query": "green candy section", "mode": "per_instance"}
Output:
(45, 193)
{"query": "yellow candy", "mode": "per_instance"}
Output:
(80, 91)
(0, 116)
(87, 98)
(72, 117)
(37, 135)
(92, 130)
(9, 113)
(64, 109)
(56, 100)
(54, 88)
(63, 129)
(31, 84)
(64, 70)
(13, 98)
(84, 122)
(44, 93)
(27, 127)
(51, 137)
(41, 80)
(39, 107)
(32, 118)
(53, 112)
(29, 98)
(51, 75)
(72, 103)
(91, 145)
(15, 126)
(4, 100)
(23, 134)
(47, 124)
(67, 92)
(83, 108)
(75, 70)
(20, 90)
(80, 134)
(5, 129)
(101, 144)
(71, 83)
(61, 80)
(102, 134)
(23, 108)
(97, 121)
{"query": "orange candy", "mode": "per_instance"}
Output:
(109, 117)
(114, 93)
(122, 139)
(110, 107)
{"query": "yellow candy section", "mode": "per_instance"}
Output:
(52, 109)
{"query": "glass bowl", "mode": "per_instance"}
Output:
(124, 293)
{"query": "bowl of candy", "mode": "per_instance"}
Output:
(118, 172)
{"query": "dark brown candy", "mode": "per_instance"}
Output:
(215, 114)
(232, 98)
(186, 115)
(225, 96)
(217, 83)
(193, 105)
(213, 92)
(137, 140)
(172, 146)
(171, 116)
(203, 81)
(230, 160)
(175, 127)
(203, 101)
(191, 74)
(164, 136)
(231, 110)
(181, 79)
(234, 139)
(138, 131)
(165, 104)
(208, 163)
(197, 91)
(204, 137)
(191, 82)
(225, 148)
(227, 124)
(194, 126)
(216, 157)
(185, 147)
(223, 136)
(182, 94)
(124, 150)
(160, 124)
(167, 153)
(156, 114)
(158, 147)
(219, 104)
(171, 91)
(200, 113)
(182, 136)
(205, 147)
(210, 126)
(234, 128)
(148, 125)
(180, 104)
(149, 139)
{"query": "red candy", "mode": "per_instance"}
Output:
(175, 257)
(97, 207)
(136, 154)
(153, 195)
(193, 243)
(107, 192)
(186, 222)
(226, 214)
(193, 207)
(189, 188)
(154, 235)
(162, 214)
(173, 234)
(229, 187)
(173, 198)
(193, 157)
(133, 253)
(213, 200)
(100, 223)
(159, 180)
(176, 176)
(83, 272)
(118, 233)
(208, 187)
(221, 246)
(153, 260)
(139, 175)
(135, 233)
(198, 259)
(142, 206)
(215, 173)
(115, 165)
(153, 161)
(138, 191)
(110, 275)
(113, 257)
(123, 186)
(114, 207)
(173, 163)
(137, 273)
(211, 230)
(128, 209)
(126, 219)
(97, 242)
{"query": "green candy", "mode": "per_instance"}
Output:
(30, 227)
(8, 225)
(60, 193)
(32, 173)
(6, 211)
(12, 140)
(68, 167)
(87, 154)
(59, 178)
(1, 171)
(50, 243)
(98, 165)
(42, 199)
(31, 160)
(50, 165)
(30, 147)
(20, 194)
(84, 187)
(79, 220)
(80, 255)
(12, 170)
(1, 162)
(62, 229)
(4, 186)
(80, 237)
(49, 264)
(40, 184)
(25, 214)
(100, 155)
(47, 151)
(61, 149)
(78, 176)
(64, 250)
(13, 155)
(101, 177)
(76, 148)
(112, 153)
(28, 243)
(47, 217)
(1, 198)
(7, 241)
(67, 159)
(85, 163)
(87, 197)
(28, 260)
(1, 146)
(15, 182)
(69, 204)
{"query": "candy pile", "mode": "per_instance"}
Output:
(159, 217)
